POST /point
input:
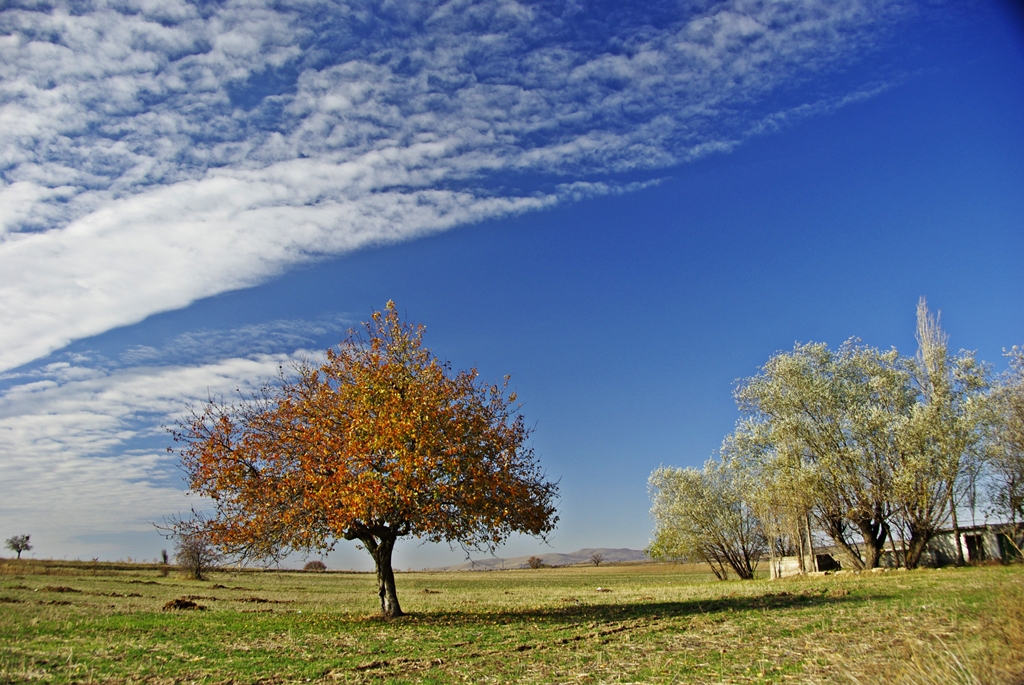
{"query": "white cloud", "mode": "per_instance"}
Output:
(155, 153)
(205, 346)
(83, 440)
(169, 247)
(75, 476)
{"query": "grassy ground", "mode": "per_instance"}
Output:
(655, 624)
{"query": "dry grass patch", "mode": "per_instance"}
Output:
(659, 624)
(984, 648)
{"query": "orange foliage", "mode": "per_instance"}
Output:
(379, 441)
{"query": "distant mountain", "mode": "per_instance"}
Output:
(551, 559)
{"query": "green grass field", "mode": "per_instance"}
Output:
(655, 623)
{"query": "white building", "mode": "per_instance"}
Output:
(993, 542)
(979, 543)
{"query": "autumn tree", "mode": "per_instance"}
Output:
(596, 558)
(379, 441)
(18, 544)
(701, 514)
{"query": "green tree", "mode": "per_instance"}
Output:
(1005, 457)
(942, 440)
(700, 514)
(834, 419)
(778, 485)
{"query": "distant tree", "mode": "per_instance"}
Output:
(701, 514)
(195, 552)
(379, 441)
(535, 562)
(164, 558)
(315, 565)
(596, 558)
(18, 544)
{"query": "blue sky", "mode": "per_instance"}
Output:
(626, 210)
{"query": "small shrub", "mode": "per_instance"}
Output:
(195, 554)
(18, 543)
(316, 565)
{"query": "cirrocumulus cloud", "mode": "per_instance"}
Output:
(155, 153)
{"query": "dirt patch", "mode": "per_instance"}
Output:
(428, 591)
(182, 604)
(59, 588)
(11, 600)
(400, 661)
(210, 599)
(262, 600)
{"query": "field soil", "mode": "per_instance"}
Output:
(66, 622)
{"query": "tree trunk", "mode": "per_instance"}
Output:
(918, 542)
(800, 552)
(716, 566)
(810, 544)
(389, 607)
(956, 530)
(874, 534)
(892, 546)
(834, 527)
(380, 543)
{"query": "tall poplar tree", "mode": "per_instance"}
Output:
(943, 439)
